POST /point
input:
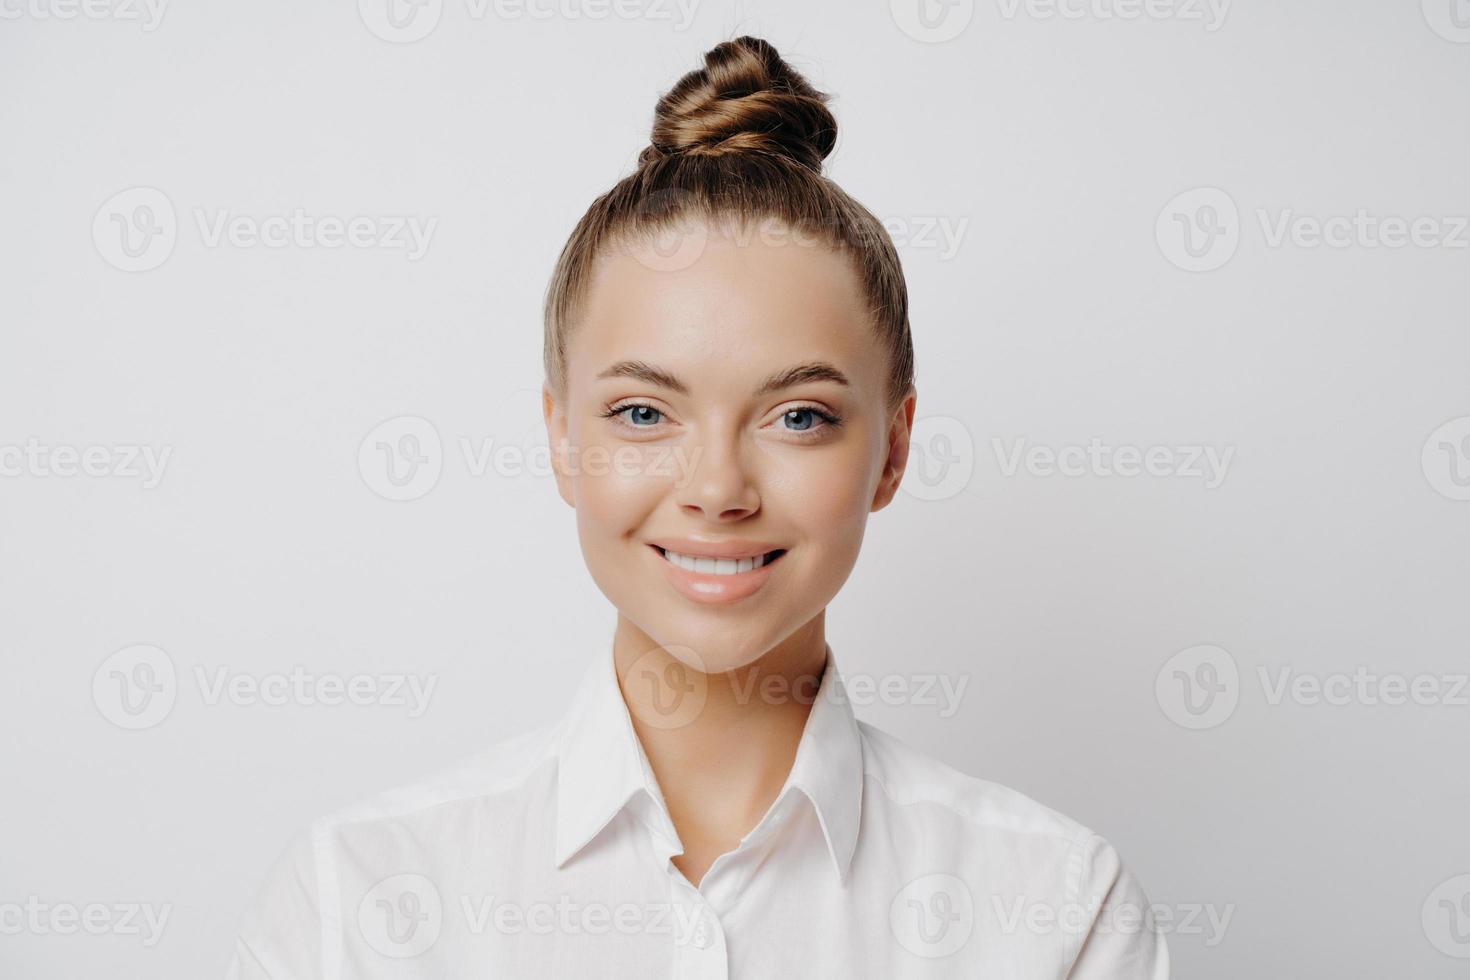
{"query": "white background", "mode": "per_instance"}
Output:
(1055, 144)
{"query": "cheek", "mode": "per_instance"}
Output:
(616, 485)
(825, 493)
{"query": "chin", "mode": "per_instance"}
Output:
(706, 646)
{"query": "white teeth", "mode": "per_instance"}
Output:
(715, 566)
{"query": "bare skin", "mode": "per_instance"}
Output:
(745, 453)
(721, 774)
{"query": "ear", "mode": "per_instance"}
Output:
(900, 429)
(555, 414)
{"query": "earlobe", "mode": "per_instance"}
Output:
(900, 429)
(554, 415)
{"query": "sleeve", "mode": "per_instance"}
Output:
(1122, 939)
(280, 934)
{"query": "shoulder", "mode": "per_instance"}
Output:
(448, 808)
(963, 821)
(501, 779)
(1027, 872)
(908, 777)
(292, 927)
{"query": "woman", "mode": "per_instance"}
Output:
(729, 393)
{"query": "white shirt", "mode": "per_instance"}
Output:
(548, 855)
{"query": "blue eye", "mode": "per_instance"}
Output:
(643, 414)
(807, 419)
(639, 416)
(801, 418)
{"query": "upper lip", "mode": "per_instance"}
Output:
(728, 548)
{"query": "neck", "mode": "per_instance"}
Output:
(721, 744)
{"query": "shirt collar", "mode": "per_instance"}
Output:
(601, 765)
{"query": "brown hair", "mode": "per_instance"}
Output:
(744, 138)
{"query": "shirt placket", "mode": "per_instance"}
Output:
(700, 952)
(698, 938)
(700, 942)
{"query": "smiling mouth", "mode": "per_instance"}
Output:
(718, 566)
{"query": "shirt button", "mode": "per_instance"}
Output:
(702, 938)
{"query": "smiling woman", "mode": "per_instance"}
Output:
(709, 806)
(774, 401)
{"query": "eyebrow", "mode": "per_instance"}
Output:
(790, 377)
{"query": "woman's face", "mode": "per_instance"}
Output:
(722, 405)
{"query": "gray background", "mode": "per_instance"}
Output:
(1336, 539)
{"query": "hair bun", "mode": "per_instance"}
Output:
(746, 99)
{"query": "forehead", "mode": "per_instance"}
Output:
(726, 304)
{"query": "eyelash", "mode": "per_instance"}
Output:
(829, 420)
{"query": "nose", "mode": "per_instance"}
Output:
(718, 484)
